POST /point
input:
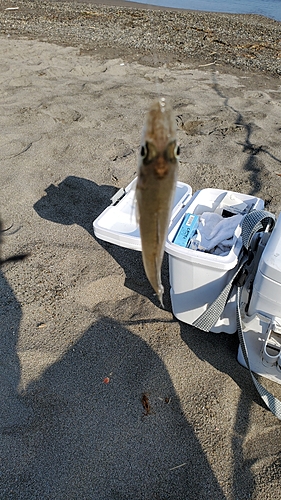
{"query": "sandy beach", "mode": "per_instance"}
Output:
(83, 336)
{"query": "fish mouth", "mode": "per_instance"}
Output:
(161, 168)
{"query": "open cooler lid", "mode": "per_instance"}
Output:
(117, 223)
(270, 263)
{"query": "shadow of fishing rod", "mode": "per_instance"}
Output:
(251, 165)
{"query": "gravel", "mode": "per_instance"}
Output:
(247, 42)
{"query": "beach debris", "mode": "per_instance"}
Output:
(156, 183)
(166, 400)
(91, 13)
(145, 403)
(106, 380)
(204, 65)
(179, 466)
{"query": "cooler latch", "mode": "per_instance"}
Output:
(118, 196)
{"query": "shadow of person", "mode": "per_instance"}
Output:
(220, 351)
(91, 437)
(79, 201)
(74, 201)
(12, 410)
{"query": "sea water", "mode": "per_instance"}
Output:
(268, 8)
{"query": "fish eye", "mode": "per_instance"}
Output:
(143, 151)
(177, 151)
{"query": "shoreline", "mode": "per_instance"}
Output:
(125, 3)
(140, 5)
(245, 42)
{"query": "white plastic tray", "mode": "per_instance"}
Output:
(197, 278)
(117, 223)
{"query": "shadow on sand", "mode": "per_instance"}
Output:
(79, 201)
(90, 439)
(65, 205)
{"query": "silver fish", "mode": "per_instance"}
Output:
(156, 183)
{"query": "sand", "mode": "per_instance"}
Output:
(83, 336)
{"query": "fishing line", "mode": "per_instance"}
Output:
(156, 67)
(156, 59)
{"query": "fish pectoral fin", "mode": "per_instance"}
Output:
(137, 213)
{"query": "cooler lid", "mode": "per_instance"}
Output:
(270, 262)
(117, 223)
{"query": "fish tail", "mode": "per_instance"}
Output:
(160, 295)
(153, 274)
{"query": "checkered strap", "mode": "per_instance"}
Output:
(209, 317)
(252, 223)
(271, 401)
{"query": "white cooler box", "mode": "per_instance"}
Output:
(117, 223)
(196, 278)
(266, 296)
(262, 321)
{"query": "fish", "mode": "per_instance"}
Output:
(158, 167)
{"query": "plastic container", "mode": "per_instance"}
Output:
(262, 337)
(262, 322)
(197, 278)
(266, 296)
(118, 224)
